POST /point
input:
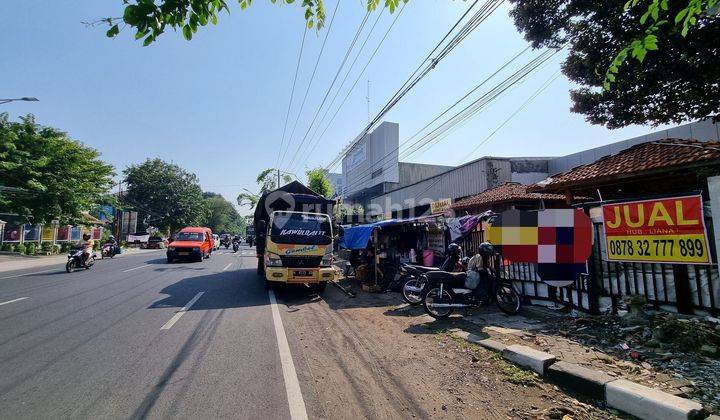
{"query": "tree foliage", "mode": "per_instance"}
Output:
(267, 182)
(168, 194)
(222, 216)
(318, 181)
(150, 18)
(45, 175)
(676, 83)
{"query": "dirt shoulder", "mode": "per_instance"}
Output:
(363, 358)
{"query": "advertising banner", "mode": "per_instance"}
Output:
(48, 233)
(666, 230)
(96, 233)
(63, 233)
(559, 241)
(32, 233)
(75, 233)
(11, 233)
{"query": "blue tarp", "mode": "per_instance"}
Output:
(357, 237)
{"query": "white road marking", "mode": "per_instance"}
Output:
(136, 268)
(292, 385)
(181, 312)
(227, 266)
(14, 300)
(27, 274)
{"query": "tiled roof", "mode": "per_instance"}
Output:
(507, 192)
(644, 157)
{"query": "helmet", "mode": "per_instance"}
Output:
(454, 249)
(111, 237)
(486, 248)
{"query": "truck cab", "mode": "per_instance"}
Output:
(298, 249)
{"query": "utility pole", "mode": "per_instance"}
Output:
(278, 174)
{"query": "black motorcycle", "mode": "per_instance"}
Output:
(75, 260)
(445, 292)
(412, 281)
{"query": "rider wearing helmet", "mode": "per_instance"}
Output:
(454, 252)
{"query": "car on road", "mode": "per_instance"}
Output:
(191, 243)
(155, 242)
(216, 241)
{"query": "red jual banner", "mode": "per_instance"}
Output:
(668, 230)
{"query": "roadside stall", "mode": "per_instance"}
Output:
(378, 248)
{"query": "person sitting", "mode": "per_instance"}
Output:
(482, 264)
(87, 244)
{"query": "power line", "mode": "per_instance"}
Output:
(312, 78)
(332, 84)
(363, 177)
(483, 13)
(342, 83)
(537, 93)
(387, 32)
(292, 94)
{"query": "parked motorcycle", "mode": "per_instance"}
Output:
(75, 260)
(445, 292)
(413, 279)
(107, 250)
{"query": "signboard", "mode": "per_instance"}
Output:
(357, 155)
(63, 233)
(96, 233)
(440, 206)
(559, 241)
(667, 230)
(32, 233)
(75, 233)
(436, 240)
(48, 233)
(11, 233)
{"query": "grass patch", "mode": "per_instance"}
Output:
(515, 374)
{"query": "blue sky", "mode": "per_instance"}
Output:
(216, 105)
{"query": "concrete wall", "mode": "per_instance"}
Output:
(411, 173)
(702, 130)
(374, 159)
(471, 178)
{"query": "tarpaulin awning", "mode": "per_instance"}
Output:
(357, 237)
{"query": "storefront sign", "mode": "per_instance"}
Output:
(669, 230)
(440, 206)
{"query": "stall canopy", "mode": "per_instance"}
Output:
(357, 237)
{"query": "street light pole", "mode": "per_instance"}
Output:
(24, 99)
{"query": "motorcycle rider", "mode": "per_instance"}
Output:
(87, 245)
(454, 252)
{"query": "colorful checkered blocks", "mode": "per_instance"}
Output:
(558, 240)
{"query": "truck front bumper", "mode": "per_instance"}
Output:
(299, 275)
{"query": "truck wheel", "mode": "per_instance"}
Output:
(261, 267)
(269, 285)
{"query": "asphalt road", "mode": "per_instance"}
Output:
(115, 342)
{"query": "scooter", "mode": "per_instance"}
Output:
(445, 292)
(75, 260)
(107, 250)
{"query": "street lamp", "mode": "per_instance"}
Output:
(25, 98)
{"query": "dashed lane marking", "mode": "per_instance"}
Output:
(181, 312)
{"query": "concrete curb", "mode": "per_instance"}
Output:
(528, 357)
(632, 398)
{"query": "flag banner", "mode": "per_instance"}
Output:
(666, 230)
(559, 241)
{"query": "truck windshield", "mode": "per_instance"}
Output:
(296, 228)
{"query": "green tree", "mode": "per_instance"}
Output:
(675, 83)
(150, 18)
(318, 181)
(266, 181)
(222, 217)
(45, 175)
(170, 196)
